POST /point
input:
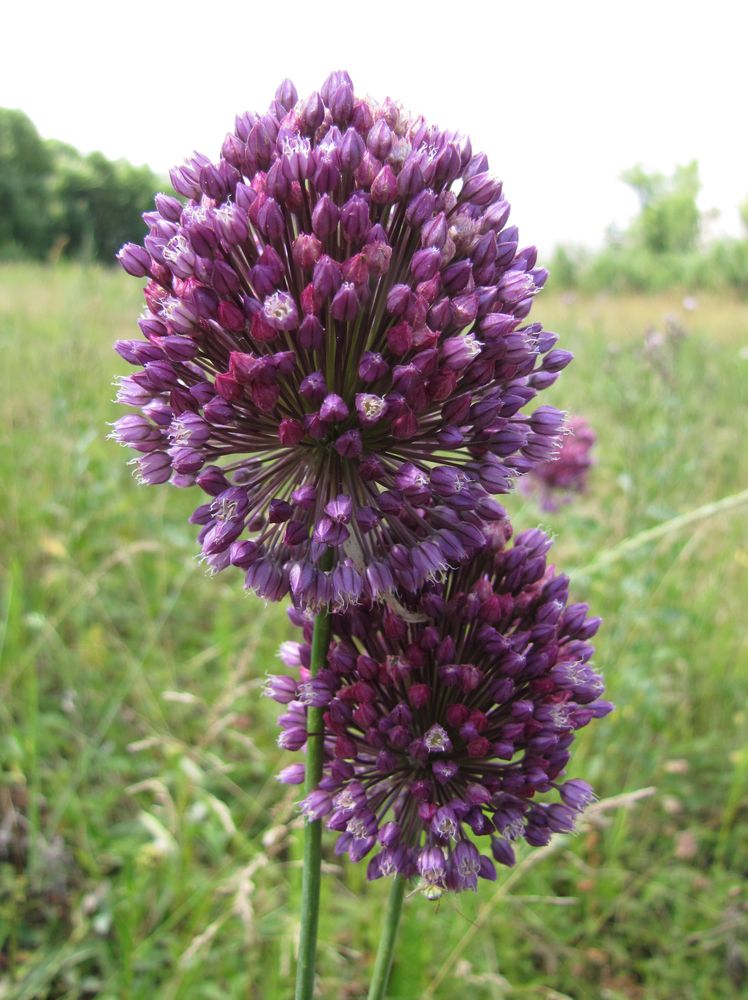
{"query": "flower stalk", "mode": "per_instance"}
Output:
(385, 952)
(311, 874)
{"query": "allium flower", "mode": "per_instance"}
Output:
(565, 474)
(335, 350)
(445, 720)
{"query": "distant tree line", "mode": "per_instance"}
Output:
(54, 201)
(664, 246)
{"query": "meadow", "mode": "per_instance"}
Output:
(146, 849)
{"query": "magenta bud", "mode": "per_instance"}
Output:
(231, 317)
(481, 189)
(306, 250)
(384, 186)
(290, 432)
(367, 170)
(356, 269)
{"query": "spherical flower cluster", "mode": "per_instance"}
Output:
(567, 473)
(446, 717)
(335, 350)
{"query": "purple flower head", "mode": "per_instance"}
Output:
(451, 716)
(566, 473)
(336, 303)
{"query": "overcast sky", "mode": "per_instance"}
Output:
(562, 96)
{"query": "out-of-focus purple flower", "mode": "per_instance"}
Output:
(567, 473)
(337, 310)
(448, 715)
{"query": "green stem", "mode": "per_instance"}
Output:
(383, 963)
(311, 875)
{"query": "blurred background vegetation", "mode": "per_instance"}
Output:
(56, 202)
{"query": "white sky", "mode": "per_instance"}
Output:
(562, 96)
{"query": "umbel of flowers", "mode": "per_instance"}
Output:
(335, 349)
(567, 473)
(447, 716)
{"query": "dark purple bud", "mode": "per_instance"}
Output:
(153, 468)
(344, 306)
(137, 352)
(354, 218)
(384, 186)
(333, 409)
(480, 189)
(556, 360)
(135, 260)
(286, 94)
(362, 119)
(341, 103)
(313, 112)
(372, 367)
(352, 149)
(367, 170)
(327, 175)
(434, 232)
(456, 276)
(349, 444)
(410, 180)
(421, 208)
(313, 387)
(326, 278)
(425, 263)
(311, 333)
(325, 217)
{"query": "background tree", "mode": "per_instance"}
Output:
(669, 220)
(26, 165)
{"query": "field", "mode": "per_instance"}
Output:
(145, 848)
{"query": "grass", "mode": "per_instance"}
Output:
(147, 850)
